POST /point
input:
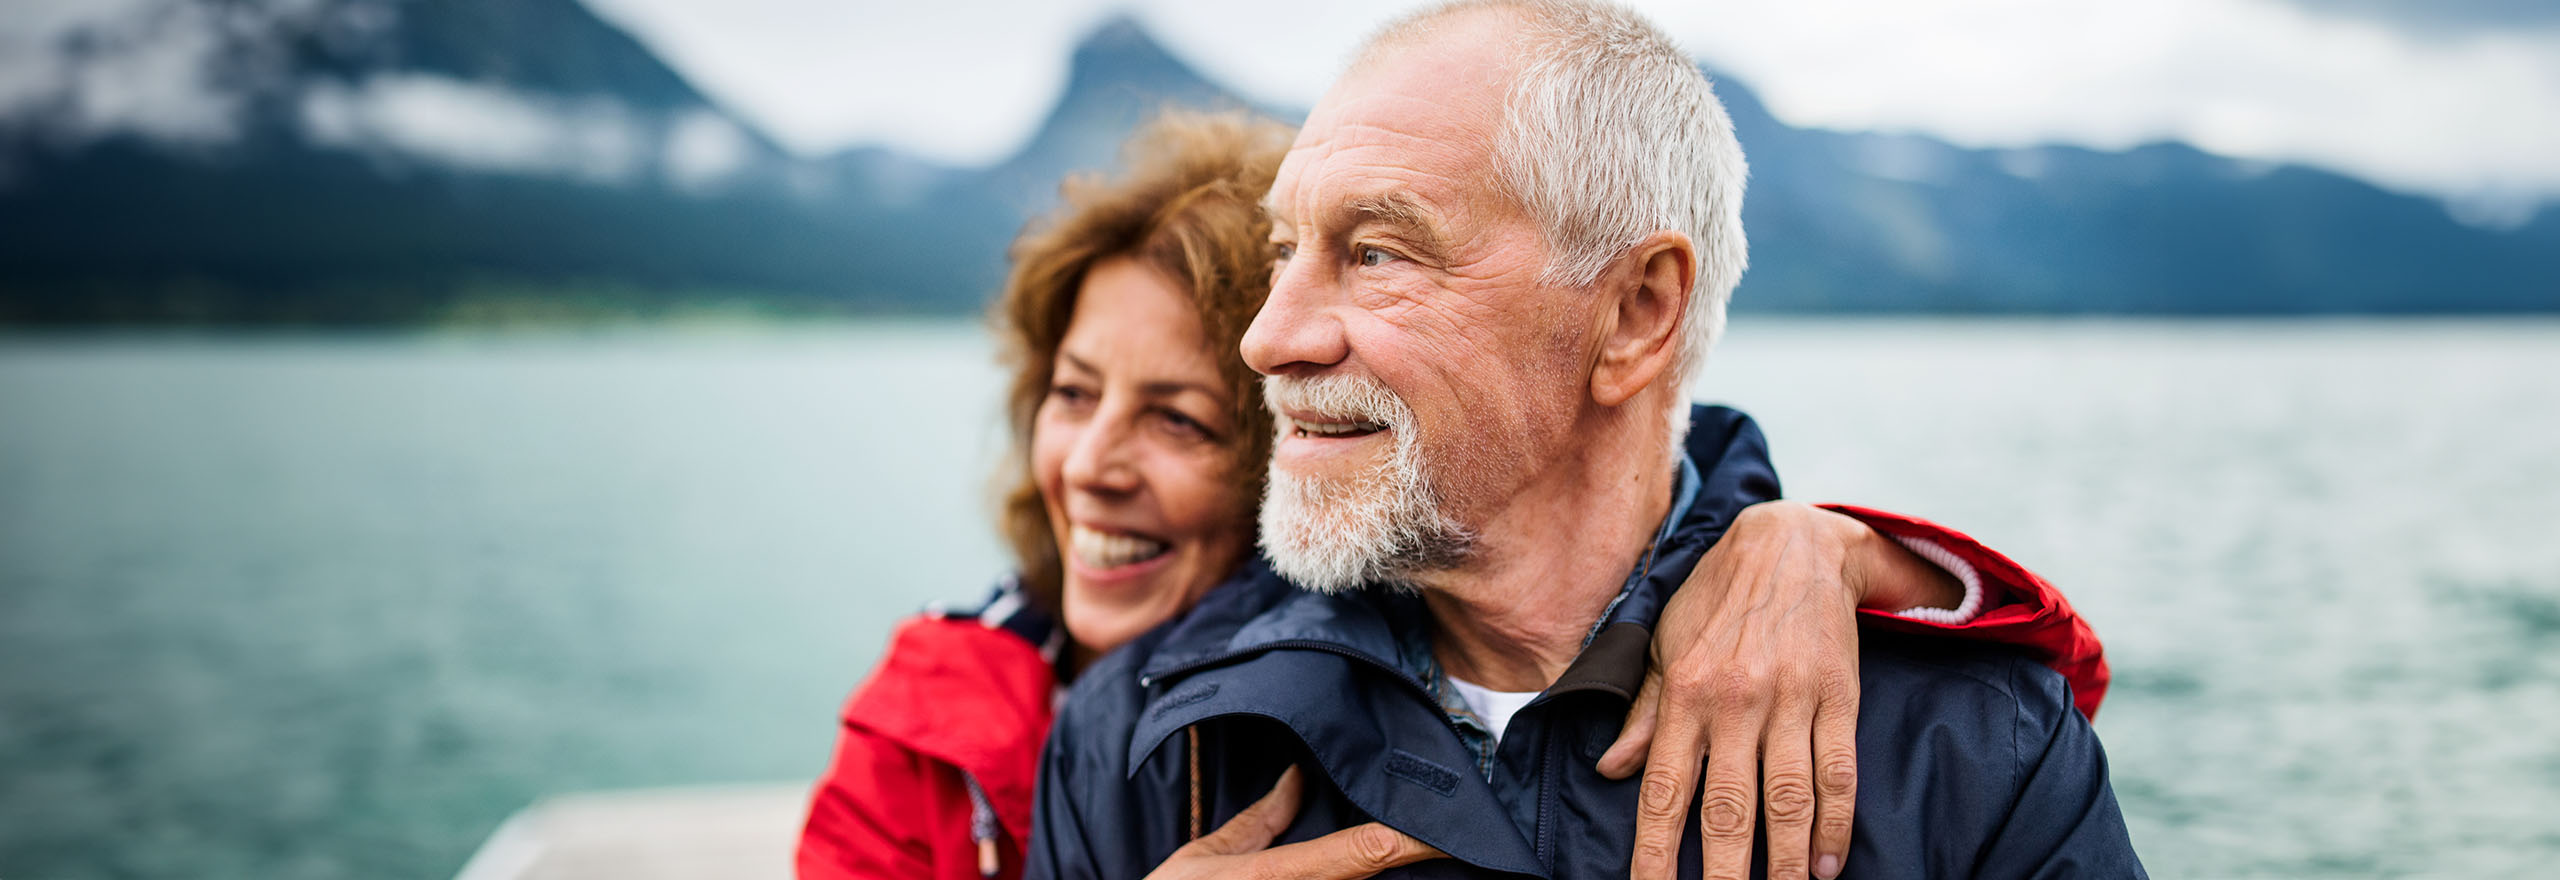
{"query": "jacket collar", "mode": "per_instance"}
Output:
(1226, 656)
(1733, 471)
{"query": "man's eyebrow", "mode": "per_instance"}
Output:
(1400, 210)
(1271, 208)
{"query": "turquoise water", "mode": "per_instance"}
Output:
(287, 607)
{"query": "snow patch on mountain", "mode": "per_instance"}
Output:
(478, 127)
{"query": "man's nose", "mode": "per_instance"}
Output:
(1102, 459)
(1293, 333)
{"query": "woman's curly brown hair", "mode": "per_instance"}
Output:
(1189, 206)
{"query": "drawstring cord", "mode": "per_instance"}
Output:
(982, 815)
(982, 826)
(1193, 732)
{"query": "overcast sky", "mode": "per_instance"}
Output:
(2459, 98)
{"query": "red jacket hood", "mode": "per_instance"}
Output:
(979, 698)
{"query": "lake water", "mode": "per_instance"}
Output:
(307, 607)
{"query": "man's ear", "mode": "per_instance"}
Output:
(1643, 323)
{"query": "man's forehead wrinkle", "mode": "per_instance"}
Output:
(1434, 171)
(1398, 126)
(1430, 118)
(1347, 194)
(1312, 148)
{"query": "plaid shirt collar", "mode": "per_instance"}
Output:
(1413, 632)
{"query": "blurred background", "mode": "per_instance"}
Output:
(412, 410)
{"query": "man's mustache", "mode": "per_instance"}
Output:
(1341, 396)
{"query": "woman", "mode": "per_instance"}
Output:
(1140, 452)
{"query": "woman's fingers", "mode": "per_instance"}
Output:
(1242, 847)
(1670, 775)
(1349, 854)
(1728, 804)
(1254, 828)
(1787, 794)
(1835, 772)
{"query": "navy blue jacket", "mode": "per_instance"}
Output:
(1971, 760)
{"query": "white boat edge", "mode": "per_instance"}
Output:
(724, 831)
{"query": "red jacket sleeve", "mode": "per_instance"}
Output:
(2018, 608)
(883, 810)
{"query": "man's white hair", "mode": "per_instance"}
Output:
(1610, 134)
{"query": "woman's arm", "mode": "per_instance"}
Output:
(2018, 607)
(870, 816)
(1755, 669)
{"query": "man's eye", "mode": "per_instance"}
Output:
(1371, 256)
(1281, 251)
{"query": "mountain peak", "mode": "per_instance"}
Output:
(1118, 32)
(1120, 76)
(1120, 49)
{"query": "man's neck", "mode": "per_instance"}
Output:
(1551, 560)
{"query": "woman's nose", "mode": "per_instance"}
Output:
(1103, 459)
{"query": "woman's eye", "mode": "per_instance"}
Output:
(1282, 251)
(1070, 393)
(1184, 424)
(1373, 256)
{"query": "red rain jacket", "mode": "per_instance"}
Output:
(2018, 608)
(954, 696)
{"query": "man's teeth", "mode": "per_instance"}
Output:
(1330, 429)
(1101, 550)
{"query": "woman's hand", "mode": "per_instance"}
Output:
(1242, 847)
(1755, 670)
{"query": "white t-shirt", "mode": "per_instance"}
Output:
(1495, 707)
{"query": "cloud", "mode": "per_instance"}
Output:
(478, 127)
(185, 73)
(2254, 80)
(958, 81)
(703, 150)
(120, 67)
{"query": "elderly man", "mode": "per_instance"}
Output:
(1506, 237)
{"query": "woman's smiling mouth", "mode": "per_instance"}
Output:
(1103, 551)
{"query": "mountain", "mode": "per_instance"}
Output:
(1118, 76)
(1874, 222)
(373, 160)
(382, 161)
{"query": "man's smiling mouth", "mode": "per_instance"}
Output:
(1301, 427)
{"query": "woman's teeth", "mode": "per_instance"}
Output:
(1100, 550)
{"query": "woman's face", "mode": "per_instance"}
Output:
(1131, 453)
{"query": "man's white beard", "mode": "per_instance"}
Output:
(1382, 525)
